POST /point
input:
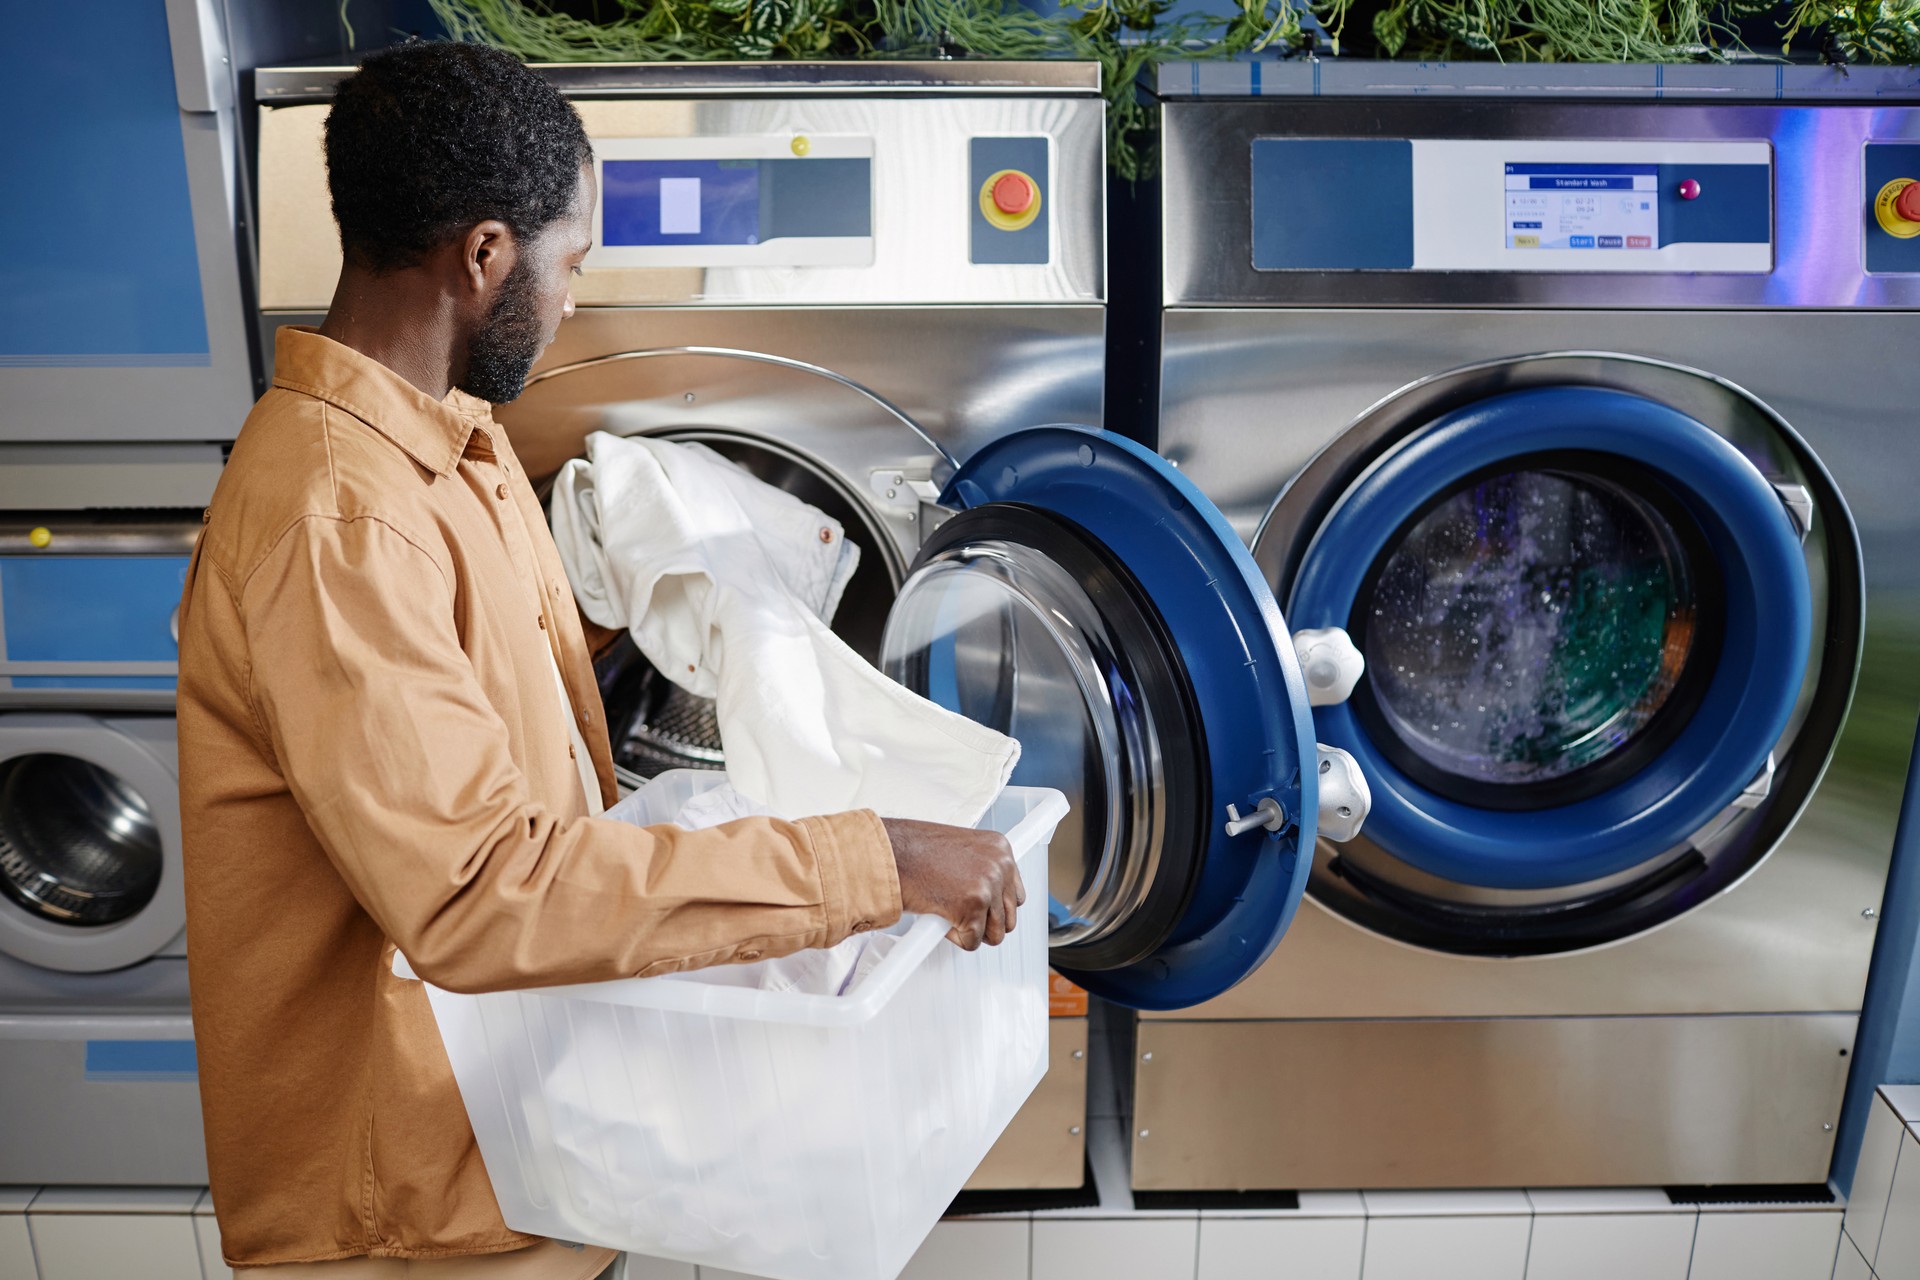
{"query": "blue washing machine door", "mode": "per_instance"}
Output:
(1090, 602)
(1587, 620)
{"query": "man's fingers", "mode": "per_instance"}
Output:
(996, 924)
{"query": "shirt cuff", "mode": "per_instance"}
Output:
(858, 877)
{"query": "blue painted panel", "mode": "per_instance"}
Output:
(100, 266)
(1884, 163)
(1029, 246)
(1332, 205)
(141, 1060)
(91, 608)
(1735, 205)
(1887, 1048)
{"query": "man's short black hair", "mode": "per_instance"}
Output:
(429, 138)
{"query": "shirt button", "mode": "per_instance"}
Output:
(862, 926)
(586, 717)
(543, 622)
(500, 492)
(751, 954)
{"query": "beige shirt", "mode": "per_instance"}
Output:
(373, 754)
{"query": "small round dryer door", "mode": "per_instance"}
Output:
(1090, 603)
(89, 844)
(1587, 619)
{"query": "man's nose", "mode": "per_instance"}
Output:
(566, 308)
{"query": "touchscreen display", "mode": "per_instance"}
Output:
(1583, 206)
(680, 202)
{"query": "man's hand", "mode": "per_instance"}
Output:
(966, 877)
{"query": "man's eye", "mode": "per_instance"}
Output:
(576, 269)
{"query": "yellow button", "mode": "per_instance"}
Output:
(801, 145)
(1890, 209)
(1526, 242)
(41, 537)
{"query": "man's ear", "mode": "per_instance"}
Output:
(487, 255)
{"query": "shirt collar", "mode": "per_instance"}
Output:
(434, 433)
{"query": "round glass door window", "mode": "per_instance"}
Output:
(1534, 635)
(78, 845)
(1014, 621)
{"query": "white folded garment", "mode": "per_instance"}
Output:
(722, 581)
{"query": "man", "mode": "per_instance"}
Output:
(390, 735)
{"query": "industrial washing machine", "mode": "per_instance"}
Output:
(875, 285)
(124, 362)
(1582, 398)
(95, 1039)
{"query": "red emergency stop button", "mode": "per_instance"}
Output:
(1010, 200)
(1897, 208)
(1907, 203)
(1013, 194)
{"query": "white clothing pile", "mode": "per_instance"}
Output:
(726, 584)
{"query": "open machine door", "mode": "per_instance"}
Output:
(1088, 601)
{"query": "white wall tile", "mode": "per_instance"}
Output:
(1095, 1249)
(644, 1268)
(1449, 1204)
(87, 1246)
(973, 1250)
(1281, 1248)
(1898, 1257)
(1467, 1248)
(1765, 1246)
(1905, 1099)
(16, 1249)
(1873, 1176)
(1849, 1265)
(212, 1265)
(1610, 1246)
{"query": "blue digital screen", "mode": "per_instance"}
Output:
(680, 202)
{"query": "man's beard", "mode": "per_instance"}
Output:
(503, 349)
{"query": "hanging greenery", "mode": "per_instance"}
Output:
(1128, 37)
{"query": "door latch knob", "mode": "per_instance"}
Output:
(1345, 798)
(1330, 662)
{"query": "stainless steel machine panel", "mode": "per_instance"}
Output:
(1821, 204)
(922, 200)
(1536, 1102)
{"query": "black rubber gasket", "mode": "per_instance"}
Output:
(1149, 666)
(1667, 723)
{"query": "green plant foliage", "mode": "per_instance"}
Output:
(1129, 37)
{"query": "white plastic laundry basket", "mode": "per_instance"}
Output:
(803, 1137)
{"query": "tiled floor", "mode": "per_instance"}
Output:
(170, 1235)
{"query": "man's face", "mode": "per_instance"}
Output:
(532, 301)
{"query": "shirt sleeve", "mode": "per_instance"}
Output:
(381, 729)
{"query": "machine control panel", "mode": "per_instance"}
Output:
(1008, 218)
(1512, 205)
(783, 201)
(1892, 187)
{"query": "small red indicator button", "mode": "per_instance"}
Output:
(1689, 190)
(1907, 203)
(1013, 194)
